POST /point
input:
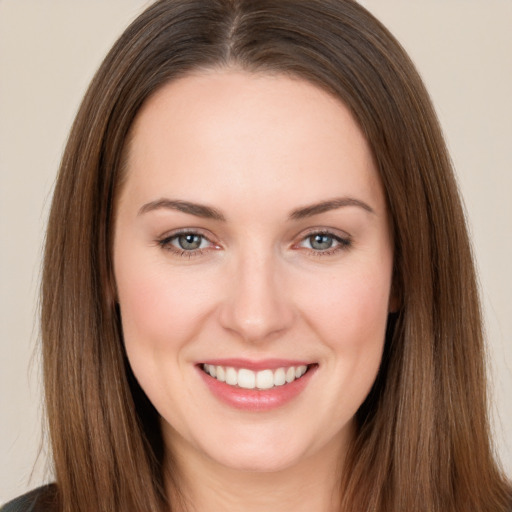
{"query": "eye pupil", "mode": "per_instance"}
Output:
(321, 242)
(189, 241)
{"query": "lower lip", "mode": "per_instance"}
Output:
(256, 399)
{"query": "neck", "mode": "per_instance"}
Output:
(206, 486)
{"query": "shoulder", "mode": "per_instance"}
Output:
(41, 499)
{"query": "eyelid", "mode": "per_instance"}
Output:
(338, 234)
(343, 239)
(164, 241)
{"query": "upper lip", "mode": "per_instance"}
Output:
(255, 365)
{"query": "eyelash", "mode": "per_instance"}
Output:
(342, 244)
(166, 244)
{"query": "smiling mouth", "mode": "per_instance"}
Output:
(259, 380)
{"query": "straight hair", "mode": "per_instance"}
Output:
(423, 439)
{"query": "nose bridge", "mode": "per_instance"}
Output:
(256, 305)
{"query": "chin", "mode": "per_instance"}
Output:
(263, 452)
(259, 461)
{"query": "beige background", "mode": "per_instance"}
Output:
(49, 50)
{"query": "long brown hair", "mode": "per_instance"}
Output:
(423, 441)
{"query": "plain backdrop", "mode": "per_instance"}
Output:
(49, 50)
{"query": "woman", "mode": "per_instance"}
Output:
(262, 295)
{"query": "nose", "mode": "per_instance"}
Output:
(257, 305)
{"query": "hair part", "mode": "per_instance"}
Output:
(423, 435)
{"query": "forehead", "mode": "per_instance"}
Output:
(218, 133)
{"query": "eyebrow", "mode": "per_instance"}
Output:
(325, 206)
(198, 210)
(208, 212)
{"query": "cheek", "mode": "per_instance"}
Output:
(351, 310)
(350, 318)
(161, 308)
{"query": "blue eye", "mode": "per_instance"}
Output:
(321, 242)
(324, 243)
(189, 241)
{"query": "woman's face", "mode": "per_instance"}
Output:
(252, 243)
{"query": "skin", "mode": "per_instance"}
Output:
(255, 148)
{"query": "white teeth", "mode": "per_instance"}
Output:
(300, 371)
(248, 379)
(221, 373)
(279, 377)
(231, 376)
(265, 379)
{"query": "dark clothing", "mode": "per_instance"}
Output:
(38, 500)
